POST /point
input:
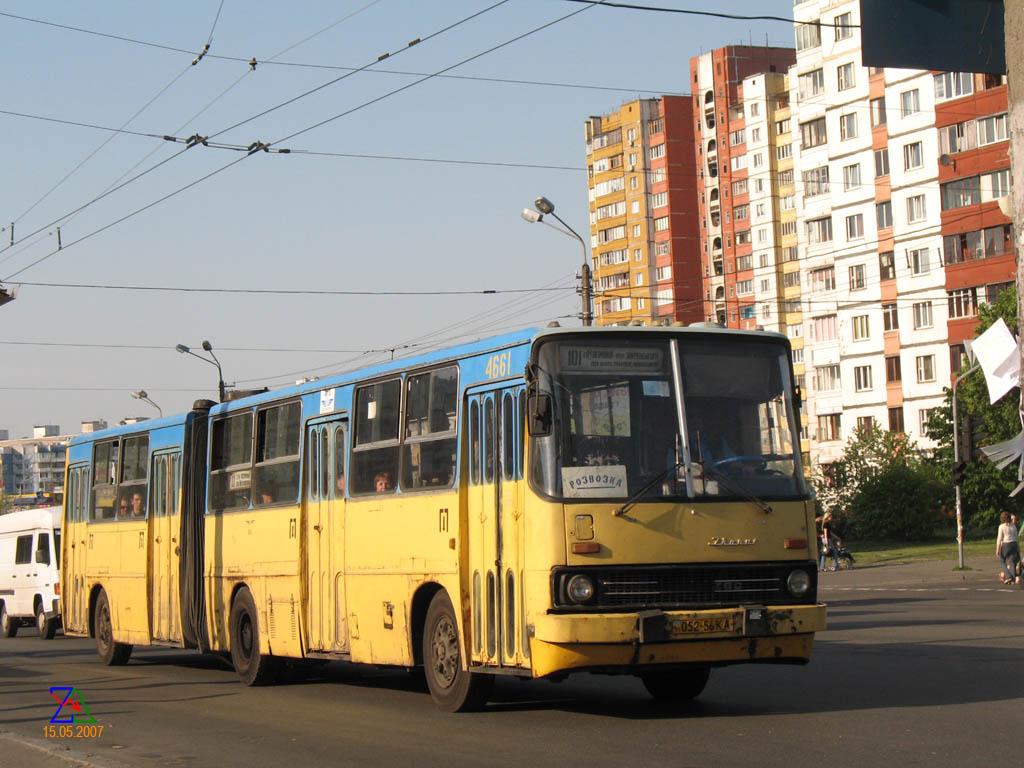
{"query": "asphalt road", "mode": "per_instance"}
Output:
(920, 666)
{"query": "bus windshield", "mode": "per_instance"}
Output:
(624, 418)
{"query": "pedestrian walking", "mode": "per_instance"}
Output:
(1008, 549)
(832, 542)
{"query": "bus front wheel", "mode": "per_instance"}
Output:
(676, 685)
(253, 667)
(112, 653)
(8, 626)
(452, 688)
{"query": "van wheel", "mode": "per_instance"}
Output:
(252, 666)
(112, 653)
(8, 626)
(452, 688)
(47, 627)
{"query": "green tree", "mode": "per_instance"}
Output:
(884, 488)
(986, 490)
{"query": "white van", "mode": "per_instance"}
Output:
(29, 570)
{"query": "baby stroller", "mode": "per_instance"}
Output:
(845, 558)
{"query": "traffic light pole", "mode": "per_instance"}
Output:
(958, 469)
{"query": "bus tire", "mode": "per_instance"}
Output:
(47, 627)
(253, 667)
(675, 686)
(112, 653)
(452, 688)
(8, 626)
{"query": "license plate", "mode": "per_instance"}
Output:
(700, 626)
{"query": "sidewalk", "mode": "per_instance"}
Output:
(984, 573)
(25, 753)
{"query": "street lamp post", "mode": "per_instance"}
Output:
(546, 208)
(208, 348)
(142, 395)
(957, 469)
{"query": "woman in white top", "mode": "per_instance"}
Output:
(1008, 549)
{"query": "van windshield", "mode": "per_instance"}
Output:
(56, 546)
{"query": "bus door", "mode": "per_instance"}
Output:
(73, 562)
(495, 504)
(165, 548)
(324, 533)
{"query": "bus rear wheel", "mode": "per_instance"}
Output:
(47, 627)
(675, 686)
(252, 666)
(8, 626)
(452, 688)
(112, 653)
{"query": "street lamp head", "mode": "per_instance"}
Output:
(182, 348)
(140, 395)
(207, 346)
(544, 205)
(532, 216)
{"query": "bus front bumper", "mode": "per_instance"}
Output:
(620, 641)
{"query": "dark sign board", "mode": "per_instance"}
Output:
(946, 35)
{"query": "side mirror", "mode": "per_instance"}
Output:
(43, 556)
(540, 414)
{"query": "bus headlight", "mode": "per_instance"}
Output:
(580, 588)
(798, 583)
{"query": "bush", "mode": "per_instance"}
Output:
(901, 502)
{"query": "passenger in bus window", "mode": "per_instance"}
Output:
(124, 507)
(268, 494)
(138, 507)
(382, 482)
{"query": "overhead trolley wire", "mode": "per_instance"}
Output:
(289, 291)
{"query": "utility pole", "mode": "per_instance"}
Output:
(1013, 21)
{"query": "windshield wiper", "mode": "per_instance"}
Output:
(632, 500)
(737, 488)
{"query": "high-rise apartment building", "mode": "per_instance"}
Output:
(738, 94)
(643, 217)
(882, 207)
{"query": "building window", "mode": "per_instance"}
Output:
(848, 126)
(892, 369)
(920, 264)
(636, 231)
(816, 181)
(886, 265)
(823, 279)
(861, 327)
(961, 193)
(881, 162)
(962, 303)
(844, 26)
(663, 273)
(819, 230)
(857, 277)
(661, 224)
(787, 228)
(755, 133)
(865, 423)
(877, 112)
(785, 178)
(896, 419)
(913, 155)
(958, 137)
(808, 36)
(957, 358)
(862, 378)
(741, 212)
(851, 177)
(655, 152)
(737, 137)
(953, 85)
(787, 202)
(658, 199)
(828, 428)
(743, 238)
(925, 368)
(991, 129)
(634, 182)
(656, 126)
(813, 133)
(883, 214)
(825, 328)
(910, 103)
(638, 255)
(916, 210)
(783, 151)
(845, 76)
(890, 317)
(789, 253)
(923, 315)
(744, 287)
(995, 185)
(826, 378)
(811, 84)
(782, 126)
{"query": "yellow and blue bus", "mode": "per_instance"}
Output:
(616, 500)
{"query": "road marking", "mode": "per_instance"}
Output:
(917, 589)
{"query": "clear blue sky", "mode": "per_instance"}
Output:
(298, 221)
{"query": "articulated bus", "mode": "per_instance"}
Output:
(612, 500)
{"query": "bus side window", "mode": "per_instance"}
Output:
(474, 441)
(375, 446)
(428, 456)
(104, 478)
(231, 462)
(340, 446)
(276, 472)
(135, 475)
